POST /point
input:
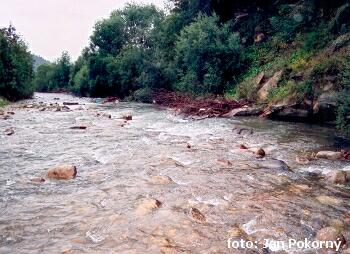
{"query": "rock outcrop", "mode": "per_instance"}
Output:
(245, 111)
(270, 84)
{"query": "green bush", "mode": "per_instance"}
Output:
(327, 67)
(143, 95)
(80, 84)
(53, 77)
(317, 39)
(207, 56)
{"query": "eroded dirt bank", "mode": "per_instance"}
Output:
(159, 183)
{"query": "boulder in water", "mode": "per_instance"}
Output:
(38, 180)
(337, 177)
(260, 153)
(63, 172)
(302, 160)
(243, 147)
(161, 180)
(127, 117)
(147, 206)
(329, 155)
(9, 131)
(68, 103)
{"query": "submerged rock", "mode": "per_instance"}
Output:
(147, 206)
(68, 103)
(63, 172)
(224, 163)
(38, 180)
(196, 214)
(78, 127)
(329, 155)
(274, 164)
(243, 147)
(104, 115)
(9, 131)
(331, 234)
(162, 180)
(65, 108)
(5, 117)
(302, 160)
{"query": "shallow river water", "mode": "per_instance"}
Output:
(237, 195)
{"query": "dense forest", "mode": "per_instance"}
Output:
(201, 47)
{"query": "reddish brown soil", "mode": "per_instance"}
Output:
(206, 106)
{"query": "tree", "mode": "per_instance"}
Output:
(43, 77)
(54, 77)
(16, 66)
(119, 60)
(208, 55)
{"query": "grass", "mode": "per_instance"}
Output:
(3, 103)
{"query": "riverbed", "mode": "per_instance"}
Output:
(208, 188)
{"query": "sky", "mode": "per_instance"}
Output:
(52, 26)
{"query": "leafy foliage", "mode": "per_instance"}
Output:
(343, 112)
(208, 55)
(53, 77)
(16, 66)
(212, 47)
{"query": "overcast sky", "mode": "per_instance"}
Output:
(52, 26)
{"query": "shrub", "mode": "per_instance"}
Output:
(81, 82)
(143, 95)
(207, 56)
(291, 91)
(53, 77)
(327, 66)
(246, 90)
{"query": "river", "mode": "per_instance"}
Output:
(203, 171)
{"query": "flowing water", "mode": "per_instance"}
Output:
(97, 212)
